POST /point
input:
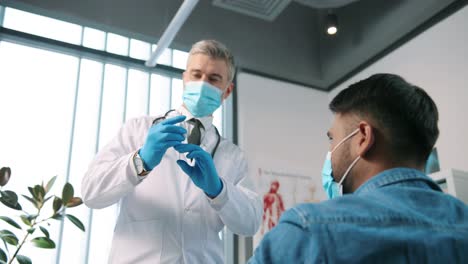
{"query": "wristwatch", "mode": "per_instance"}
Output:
(140, 168)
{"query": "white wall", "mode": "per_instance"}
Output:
(282, 126)
(437, 61)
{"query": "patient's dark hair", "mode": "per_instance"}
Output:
(404, 113)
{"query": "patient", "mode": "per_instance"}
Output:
(382, 207)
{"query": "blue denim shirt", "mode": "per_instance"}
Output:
(397, 216)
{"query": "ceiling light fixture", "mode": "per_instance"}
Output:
(182, 14)
(332, 24)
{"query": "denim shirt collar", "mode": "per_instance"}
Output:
(394, 176)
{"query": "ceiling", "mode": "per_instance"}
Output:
(270, 9)
(288, 43)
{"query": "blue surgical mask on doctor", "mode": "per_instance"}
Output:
(332, 188)
(202, 98)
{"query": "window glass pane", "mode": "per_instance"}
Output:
(160, 95)
(139, 49)
(177, 91)
(2, 14)
(137, 94)
(179, 59)
(36, 109)
(102, 230)
(117, 44)
(166, 56)
(103, 220)
(93, 38)
(40, 100)
(84, 144)
(112, 102)
(42, 26)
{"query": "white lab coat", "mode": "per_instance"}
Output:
(164, 217)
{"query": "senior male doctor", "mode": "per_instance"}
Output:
(177, 181)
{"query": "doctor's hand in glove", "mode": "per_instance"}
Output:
(160, 138)
(203, 173)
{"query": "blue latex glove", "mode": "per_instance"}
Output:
(160, 138)
(203, 173)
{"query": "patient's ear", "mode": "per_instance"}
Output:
(366, 137)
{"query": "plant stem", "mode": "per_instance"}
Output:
(18, 248)
(26, 236)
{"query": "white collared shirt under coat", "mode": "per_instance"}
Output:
(164, 217)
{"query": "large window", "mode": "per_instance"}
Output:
(58, 109)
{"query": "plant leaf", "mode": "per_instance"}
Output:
(31, 200)
(5, 244)
(43, 242)
(10, 221)
(3, 256)
(75, 201)
(46, 233)
(48, 198)
(32, 216)
(67, 193)
(31, 230)
(76, 221)
(57, 217)
(40, 192)
(5, 174)
(26, 220)
(57, 204)
(16, 206)
(11, 196)
(50, 184)
(23, 259)
(31, 191)
(8, 237)
(10, 199)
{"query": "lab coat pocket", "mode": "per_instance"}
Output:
(137, 242)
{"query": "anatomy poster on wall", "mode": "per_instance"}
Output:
(279, 192)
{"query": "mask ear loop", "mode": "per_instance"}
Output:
(344, 139)
(352, 164)
(348, 170)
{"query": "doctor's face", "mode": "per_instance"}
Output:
(201, 67)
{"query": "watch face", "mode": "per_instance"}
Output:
(139, 161)
(139, 164)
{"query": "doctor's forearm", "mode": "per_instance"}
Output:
(242, 213)
(106, 182)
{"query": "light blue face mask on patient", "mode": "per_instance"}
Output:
(332, 188)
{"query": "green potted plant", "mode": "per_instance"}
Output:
(33, 225)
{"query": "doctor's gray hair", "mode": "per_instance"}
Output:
(215, 50)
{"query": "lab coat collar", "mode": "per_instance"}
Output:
(206, 121)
